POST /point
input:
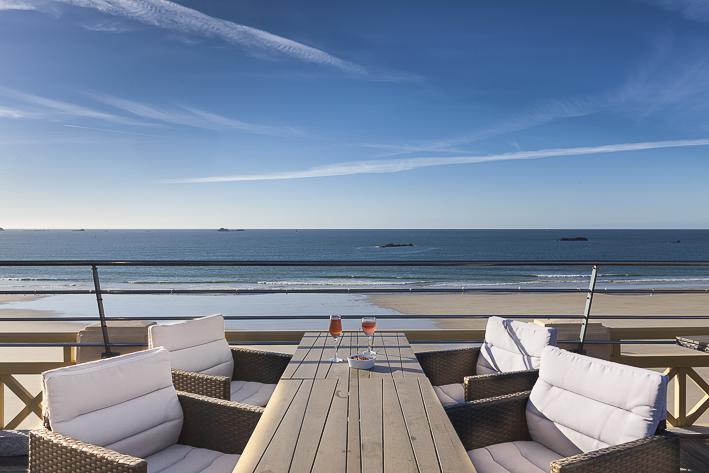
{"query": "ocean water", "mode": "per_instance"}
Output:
(353, 244)
(336, 245)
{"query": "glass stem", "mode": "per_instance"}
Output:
(370, 343)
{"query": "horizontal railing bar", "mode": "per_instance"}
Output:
(452, 290)
(284, 342)
(358, 316)
(575, 341)
(288, 317)
(323, 263)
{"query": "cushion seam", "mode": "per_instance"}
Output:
(141, 432)
(174, 463)
(110, 406)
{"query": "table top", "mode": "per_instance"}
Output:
(324, 417)
(695, 342)
(395, 358)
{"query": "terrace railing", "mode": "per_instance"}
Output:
(678, 367)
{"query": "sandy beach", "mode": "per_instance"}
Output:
(545, 305)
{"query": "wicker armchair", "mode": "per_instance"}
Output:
(496, 431)
(203, 363)
(212, 424)
(122, 415)
(250, 366)
(505, 364)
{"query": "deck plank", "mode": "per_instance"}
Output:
(371, 425)
(452, 457)
(328, 352)
(417, 423)
(353, 423)
(308, 367)
(306, 343)
(268, 425)
(279, 452)
(382, 368)
(409, 363)
(398, 451)
(332, 453)
(316, 414)
(391, 348)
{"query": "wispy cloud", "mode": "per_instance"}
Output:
(177, 18)
(39, 107)
(16, 5)
(106, 27)
(673, 78)
(105, 130)
(401, 165)
(190, 117)
(535, 116)
(128, 113)
(696, 10)
(14, 113)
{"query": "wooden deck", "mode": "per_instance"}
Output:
(324, 417)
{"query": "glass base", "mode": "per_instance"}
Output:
(336, 359)
(369, 352)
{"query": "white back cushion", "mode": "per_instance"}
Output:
(512, 346)
(196, 345)
(127, 403)
(581, 404)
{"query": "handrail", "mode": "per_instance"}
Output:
(585, 318)
(345, 263)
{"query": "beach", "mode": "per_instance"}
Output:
(545, 305)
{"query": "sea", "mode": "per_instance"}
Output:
(370, 245)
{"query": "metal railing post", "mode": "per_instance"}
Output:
(587, 309)
(102, 316)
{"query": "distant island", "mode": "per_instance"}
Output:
(576, 238)
(394, 245)
(2, 229)
(79, 230)
(222, 229)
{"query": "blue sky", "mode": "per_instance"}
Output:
(264, 114)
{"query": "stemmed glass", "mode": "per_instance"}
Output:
(336, 333)
(369, 326)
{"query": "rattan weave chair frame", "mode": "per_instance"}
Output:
(459, 366)
(215, 424)
(502, 419)
(249, 365)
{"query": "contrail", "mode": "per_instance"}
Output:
(400, 165)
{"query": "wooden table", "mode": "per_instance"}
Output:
(695, 342)
(325, 418)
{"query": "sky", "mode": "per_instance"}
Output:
(369, 114)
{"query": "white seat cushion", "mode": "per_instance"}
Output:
(196, 345)
(513, 457)
(127, 403)
(512, 346)
(185, 459)
(450, 394)
(251, 392)
(580, 404)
